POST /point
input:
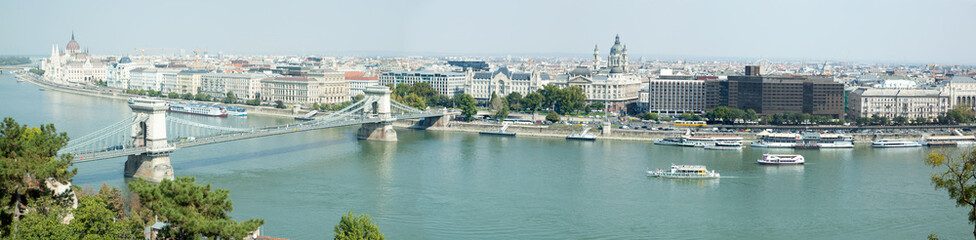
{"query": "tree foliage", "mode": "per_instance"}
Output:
(514, 101)
(958, 179)
(230, 97)
(28, 161)
(533, 101)
(552, 117)
(499, 106)
(192, 209)
(353, 227)
(961, 113)
(648, 116)
(467, 104)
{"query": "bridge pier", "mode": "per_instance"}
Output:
(153, 165)
(434, 122)
(153, 168)
(379, 131)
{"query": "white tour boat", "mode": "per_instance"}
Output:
(689, 140)
(769, 139)
(684, 171)
(781, 159)
(895, 143)
(725, 146)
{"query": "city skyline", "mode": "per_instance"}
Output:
(875, 31)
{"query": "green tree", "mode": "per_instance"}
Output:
(95, 219)
(550, 96)
(899, 120)
(920, 120)
(256, 101)
(353, 227)
(187, 96)
(648, 116)
(570, 100)
(499, 106)
(358, 97)
(751, 115)
(280, 104)
(28, 158)
(414, 101)
(192, 209)
(533, 101)
(467, 105)
(230, 98)
(961, 113)
(173, 95)
(37, 71)
(202, 97)
(514, 101)
(958, 178)
(552, 117)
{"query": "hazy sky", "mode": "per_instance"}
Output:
(933, 31)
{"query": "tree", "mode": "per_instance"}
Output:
(358, 97)
(202, 97)
(961, 113)
(353, 227)
(899, 120)
(192, 209)
(173, 95)
(958, 178)
(95, 219)
(500, 106)
(280, 104)
(751, 115)
(533, 101)
(187, 96)
(552, 117)
(648, 116)
(920, 120)
(514, 101)
(571, 99)
(28, 160)
(37, 71)
(862, 120)
(467, 105)
(550, 95)
(230, 98)
(414, 101)
(256, 101)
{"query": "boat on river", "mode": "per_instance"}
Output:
(895, 143)
(584, 135)
(684, 171)
(197, 109)
(500, 132)
(781, 159)
(689, 140)
(811, 140)
(725, 146)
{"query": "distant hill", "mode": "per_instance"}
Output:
(10, 60)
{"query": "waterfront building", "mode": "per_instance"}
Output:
(189, 81)
(74, 65)
(502, 82)
(358, 82)
(305, 90)
(890, 103)
(961, 89)
(332, 87)
(774, 94)
(675, 96)
(446, 83)
(169, 82)
(145, 79)
(118, 74)
(243, 85)
(614, 85)
(470, 65)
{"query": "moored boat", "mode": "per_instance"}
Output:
(684, 171)
(781, 159)
(812, 140)
(198, 109)
(725, 146)
(584, 135)
(895, 143)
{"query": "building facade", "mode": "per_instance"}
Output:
(614, 85)
(675, 96)
(890, 103)
(961, 90)
(446, 83)
(332, 87)
(503, 82)
(816, 95)
(74, 65)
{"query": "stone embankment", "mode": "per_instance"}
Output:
(117, 94)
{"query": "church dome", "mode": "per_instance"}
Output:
(616, 69)
(617, 47)
(580, 71)
(125, 60)
(73, 45)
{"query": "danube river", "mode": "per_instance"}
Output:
(446, 185)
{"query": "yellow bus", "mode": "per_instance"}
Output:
(689, 123)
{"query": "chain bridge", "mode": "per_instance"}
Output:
(143, 137)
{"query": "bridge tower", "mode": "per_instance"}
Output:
(380, 131)
(152, 165)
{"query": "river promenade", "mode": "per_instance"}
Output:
(860, 133)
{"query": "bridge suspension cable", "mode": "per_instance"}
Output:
(116, 134)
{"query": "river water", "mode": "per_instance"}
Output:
(446, 185)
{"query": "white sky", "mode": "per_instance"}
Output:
(935, 31)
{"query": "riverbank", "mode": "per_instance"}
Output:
(561, 131)
(109, 93)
